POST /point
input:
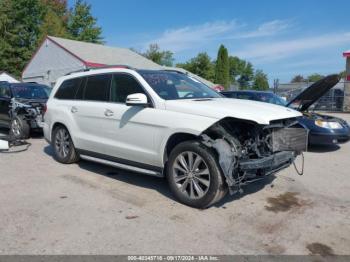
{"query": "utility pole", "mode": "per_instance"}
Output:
(275, 85)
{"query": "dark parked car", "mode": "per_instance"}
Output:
(323, 129)
(21, 108)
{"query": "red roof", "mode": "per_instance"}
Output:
(346, 53)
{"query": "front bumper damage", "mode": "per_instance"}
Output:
(32, 111)
(270, 163)
(249, 152)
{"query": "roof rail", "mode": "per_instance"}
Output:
(100, 67)
(78, 71)
(175, 71)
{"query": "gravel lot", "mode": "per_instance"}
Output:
(87, 208)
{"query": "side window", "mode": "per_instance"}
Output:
(68, 89)
(80, 93)
(245, 96)
(124, 85)
(230, 95)
(97, 87)
(5, 91)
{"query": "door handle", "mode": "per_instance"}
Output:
(74, 109)
(108, 113)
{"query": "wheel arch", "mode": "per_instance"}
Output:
(57, 124)
(173, 140)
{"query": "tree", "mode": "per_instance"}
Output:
(200, 65)
(19, 29)
(342, 74)
(222, 68)
(52, 25)
(55, 19)
(246, 76)
(82, 25)
(260, 81)
(241, 71)
(298, 79)
(236, 68)
(314, 77)
(160, 57)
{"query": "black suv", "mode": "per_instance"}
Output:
(21, 107)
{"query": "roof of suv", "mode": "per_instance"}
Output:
(111, 69)
(22, 84)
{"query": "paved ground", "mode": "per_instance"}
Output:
(49, 208)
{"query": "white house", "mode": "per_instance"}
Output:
(7, 77)
(58, 56)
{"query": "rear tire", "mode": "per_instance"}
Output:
(194, 176)
(19, 128)
(64, 150)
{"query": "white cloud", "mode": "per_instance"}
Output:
(270, 51)
(266, 29)
(191, 36)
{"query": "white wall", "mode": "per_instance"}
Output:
(8, 78)
(49, 63)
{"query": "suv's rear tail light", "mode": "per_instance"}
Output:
(44, 109)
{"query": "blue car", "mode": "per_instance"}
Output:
(323, 129)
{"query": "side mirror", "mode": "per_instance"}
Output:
(137, 99)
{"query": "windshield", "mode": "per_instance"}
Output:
(173, 85)
(47, 90)
(271, 98)
(29, 91)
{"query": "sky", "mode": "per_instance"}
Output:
(283, 38)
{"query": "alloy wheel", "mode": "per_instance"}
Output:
(62, 143)
(16, 128)
(191, 175)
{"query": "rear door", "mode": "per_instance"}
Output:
(128, 132)
(88, 111)
(5, 101)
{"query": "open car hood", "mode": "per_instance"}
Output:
(311, 94)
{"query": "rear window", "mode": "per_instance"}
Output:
(68, 89)
(97, 87)
(28, 91)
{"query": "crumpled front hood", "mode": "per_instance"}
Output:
(38, 104)
(29, 101)
(259, 112)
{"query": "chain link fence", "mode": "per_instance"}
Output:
(332, 101)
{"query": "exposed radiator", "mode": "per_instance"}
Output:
(290, 139)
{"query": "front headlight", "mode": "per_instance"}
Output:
(329, 125)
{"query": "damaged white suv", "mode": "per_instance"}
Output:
(166, 123)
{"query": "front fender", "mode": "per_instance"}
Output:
(190, 127)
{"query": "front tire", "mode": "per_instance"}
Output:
(194, 176)
(19, 128)
(64, 150)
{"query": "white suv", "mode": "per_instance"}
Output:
(166, 123)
